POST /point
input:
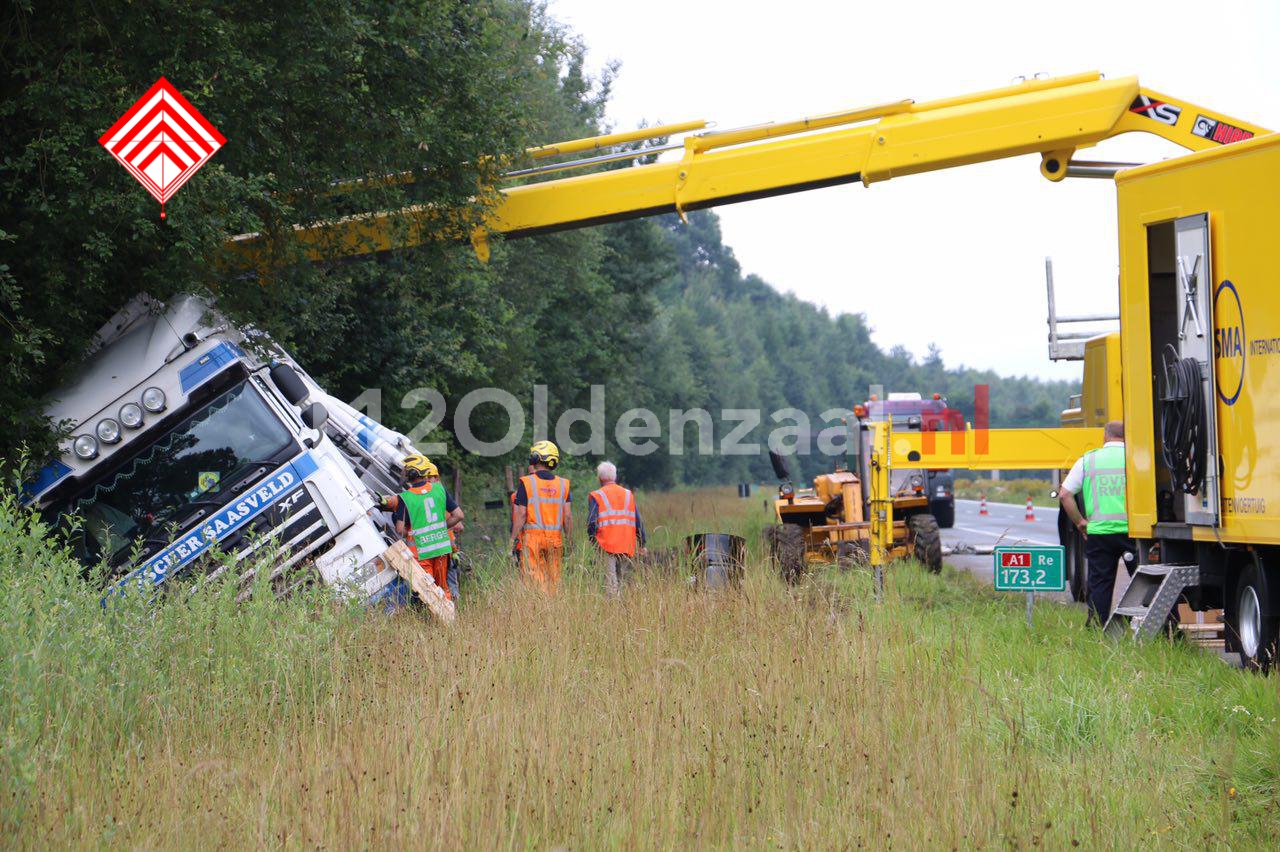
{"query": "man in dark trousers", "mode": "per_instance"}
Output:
(1099, 476)
(614, 526)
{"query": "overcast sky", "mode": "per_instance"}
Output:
(953, 257)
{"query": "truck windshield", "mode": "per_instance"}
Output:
(198, 463)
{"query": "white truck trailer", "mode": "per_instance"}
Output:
(188, 434)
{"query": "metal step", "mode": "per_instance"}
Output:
(1155, 570)
(1152, 595)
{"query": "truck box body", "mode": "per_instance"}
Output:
(1237, 188)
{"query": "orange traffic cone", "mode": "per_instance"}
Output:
(1031, 511)
(982, 509)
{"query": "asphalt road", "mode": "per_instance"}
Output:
(1003, 524)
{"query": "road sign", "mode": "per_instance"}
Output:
(1030, 568)
(162, 140)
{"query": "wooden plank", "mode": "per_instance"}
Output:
(1187, 615)
(399, 557)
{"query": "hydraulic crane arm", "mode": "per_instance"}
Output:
(1052, 117)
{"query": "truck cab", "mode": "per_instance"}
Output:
(929, 492)
(187, 435)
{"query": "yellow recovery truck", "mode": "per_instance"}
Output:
(1198, 292)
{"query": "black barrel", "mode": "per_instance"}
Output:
(717, 559)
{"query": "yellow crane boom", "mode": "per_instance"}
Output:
(1054, 117)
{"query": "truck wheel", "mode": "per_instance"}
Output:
(788, 549)
(945, 513)
(926, 541)
(1077, 567)
(1253, 621)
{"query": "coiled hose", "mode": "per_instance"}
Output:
(1182, 422)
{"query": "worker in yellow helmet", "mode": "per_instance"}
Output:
(542, 518)
(455, 529)
(423, 514)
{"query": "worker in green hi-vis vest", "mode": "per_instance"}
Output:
(423, 515)
(1099, 476)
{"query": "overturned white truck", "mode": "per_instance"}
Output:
(188, 434)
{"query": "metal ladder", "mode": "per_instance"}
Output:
(1153, 593)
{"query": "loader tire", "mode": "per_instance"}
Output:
(852, 554)
(926, 541)
(788, 550)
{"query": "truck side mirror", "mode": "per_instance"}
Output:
(289, 383)
(315, 415)
(780, 468)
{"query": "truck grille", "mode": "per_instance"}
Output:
(289, 532)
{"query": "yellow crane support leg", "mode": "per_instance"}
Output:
(881, 502)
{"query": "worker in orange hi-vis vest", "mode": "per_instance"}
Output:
(614, 526)
(542, 518)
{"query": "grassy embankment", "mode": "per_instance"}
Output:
(791, 717)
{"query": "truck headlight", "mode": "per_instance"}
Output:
(85, 446)
(131, 415)
(108, 430)
(153, 400)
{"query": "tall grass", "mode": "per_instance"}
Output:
(772, 716)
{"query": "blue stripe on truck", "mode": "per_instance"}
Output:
(367, 436)
(45, 479)
(209, 365)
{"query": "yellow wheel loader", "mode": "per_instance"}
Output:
(829, 523)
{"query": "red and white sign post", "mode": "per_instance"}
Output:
(162, 140)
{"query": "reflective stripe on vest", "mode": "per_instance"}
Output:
(1104, 484)
(615, 519)
(428, 534)
(545, 510)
